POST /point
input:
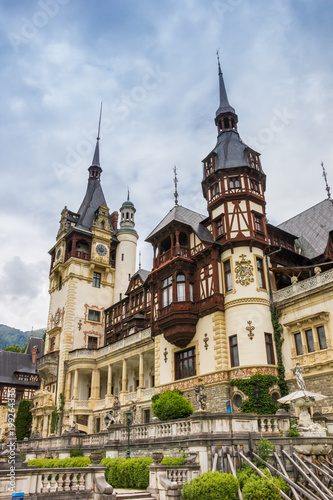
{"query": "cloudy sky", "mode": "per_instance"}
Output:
(153, 64)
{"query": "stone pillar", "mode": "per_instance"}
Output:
(68, 386)
(92, 384)
(109, 384)
(45, 431)
(90, 424)
(75, 383)
(141, 372)
(97, 384)
(124, 377)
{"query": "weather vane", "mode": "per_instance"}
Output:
(328, 189)
(175, 181)
(99, 123)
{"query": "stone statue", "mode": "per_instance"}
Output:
(201, 396)
(133, 410)
(113, 416)
(297, 371)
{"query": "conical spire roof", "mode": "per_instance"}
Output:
(224, 103)
(95, 162)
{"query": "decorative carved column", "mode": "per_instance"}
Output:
(177, 246)
(124, 376)
(141, 372)
(109, 384)
(75, 384)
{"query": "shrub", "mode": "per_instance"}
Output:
(173, 461)
(260, 488)
(53, 463)
(76, 452)
(127, 473)
(248, 474)
(170, 405)
(264, 449)
(293, 431)
(23, 420)
(211, 486)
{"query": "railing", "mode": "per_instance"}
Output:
(303, 286)
(96, 353)
(86, 482)
(50, 357)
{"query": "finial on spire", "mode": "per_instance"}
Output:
(127, 193)
(140, 259)
(218, 61)
(328, 189)
(176, 182)
(99, 123)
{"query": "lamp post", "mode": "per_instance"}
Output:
(129, 418)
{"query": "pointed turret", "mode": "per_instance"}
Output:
(226, 118)
(94, 197)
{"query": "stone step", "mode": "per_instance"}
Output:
(132, 495)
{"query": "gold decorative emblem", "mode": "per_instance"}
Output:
(244, 271)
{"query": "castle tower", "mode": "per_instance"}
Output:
(234, 186)
(126, 249)
(81, 281)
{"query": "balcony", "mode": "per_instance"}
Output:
(176, 251)
(47, 367)
(304, 286)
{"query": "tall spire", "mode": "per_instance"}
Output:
(95, 162)
(224, 103)
(328, 189)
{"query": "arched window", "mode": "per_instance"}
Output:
(226, 122)
(102, 224)
(167, 291)
(180, 287)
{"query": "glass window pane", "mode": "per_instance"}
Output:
(309, 340)
(298, 344)
(322, 337)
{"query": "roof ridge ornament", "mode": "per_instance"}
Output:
(328, 189)
(176, 182)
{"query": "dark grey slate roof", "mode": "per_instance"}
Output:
(312, 228)
(224, 103)
(142, 273)
(35, 341)
(184, 216)
(95, 162)
(230, 151)
(93, 199)
(11, 362)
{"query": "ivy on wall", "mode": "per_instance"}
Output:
(264, 404)
(278, 339)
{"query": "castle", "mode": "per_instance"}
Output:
(203, 313)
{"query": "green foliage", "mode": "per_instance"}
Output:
(156, 396)
(211, 486)
(265, 405)
(53, 463)
(278, 339)
(264, 449)
(248, 475)
(61, 401)
(260, 488)
(23, 420)
(10, 336)
(170, 405)
(76, 452)
(172, 461)
(54, 421)
(293, 432)
(14, 348)
(127, 473)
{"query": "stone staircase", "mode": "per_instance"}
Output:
(132, 495)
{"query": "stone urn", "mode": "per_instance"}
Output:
(96, 457)
(157, 457)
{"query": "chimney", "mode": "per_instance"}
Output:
(114, 220)
(34, 352)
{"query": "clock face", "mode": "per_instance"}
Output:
(101, 249)
(57, 317)
(58, 253)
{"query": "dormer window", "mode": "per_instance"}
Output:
(209, 166)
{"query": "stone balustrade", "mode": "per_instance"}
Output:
(303, 286)
(78, 482)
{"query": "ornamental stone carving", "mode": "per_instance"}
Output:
(244, 271)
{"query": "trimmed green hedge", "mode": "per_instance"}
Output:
(127, 473)
(255, 487)
(169, 405)
(53, 463)
(211, 486)
(173, 461)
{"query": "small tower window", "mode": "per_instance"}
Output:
(227, 275)
(234, 358)
(226, 122)
(97, 280)
(167, 291)
(102, 224)
(122, 256)
(60, 282)
(181, 287)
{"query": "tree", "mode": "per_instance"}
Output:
(23, 420)
(14, 348)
